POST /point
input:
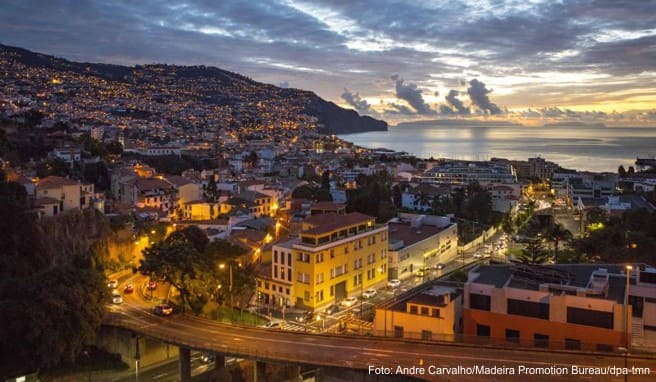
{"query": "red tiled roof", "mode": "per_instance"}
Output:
(55, 182)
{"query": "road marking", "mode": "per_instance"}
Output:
(160, 376)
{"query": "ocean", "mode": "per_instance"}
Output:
(591, 148)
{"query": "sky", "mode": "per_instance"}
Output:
(529, 60)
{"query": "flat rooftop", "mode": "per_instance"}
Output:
(411, 235)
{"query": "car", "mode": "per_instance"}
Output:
(272, 325)
(129, 288)
(144, 271)
(369, 293)
(305, 317)
(478, 255)
(349, 301)
(334, 308)
(163, 310)
(206, 358)
(116, 297)
(393, 283)
(422, 272)
(112, 284)
(440, 266)
(152, 285)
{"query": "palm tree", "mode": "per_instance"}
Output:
(422, 199)
(556, 234)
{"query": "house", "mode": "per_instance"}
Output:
(55, 194)
(431, 313)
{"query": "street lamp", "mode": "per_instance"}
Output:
(626, 307)
(222, 266)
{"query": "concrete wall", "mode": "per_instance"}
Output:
(121, 341)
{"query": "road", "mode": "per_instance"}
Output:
(351, 352)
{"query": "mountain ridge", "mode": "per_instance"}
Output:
(332, 119)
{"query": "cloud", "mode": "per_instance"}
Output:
(456, 104)
(397, 108)
(478, 94)
(412, 95)
(359, 104)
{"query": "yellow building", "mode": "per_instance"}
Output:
(433, 313)
(335, 256)
(200, 210)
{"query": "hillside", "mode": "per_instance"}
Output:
(210, 85)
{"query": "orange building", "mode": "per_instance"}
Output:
(578, 306)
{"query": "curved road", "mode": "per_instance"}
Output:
(357, 352)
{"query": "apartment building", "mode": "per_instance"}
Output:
(418, 242)
(574, 306)
(335, 256)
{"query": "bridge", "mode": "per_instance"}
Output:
(359, 352)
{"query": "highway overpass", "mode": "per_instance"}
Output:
(362, 353)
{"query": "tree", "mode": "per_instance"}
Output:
(192, 235)
(252, 158)
(211, 191)
(556, 234)
(596, 215)
(422, 199)
(631, 170)
(534, 253)
(621, 171)
(325, 180)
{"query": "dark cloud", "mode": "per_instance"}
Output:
(478, 94)
(359, 104)
(455, 103)
(412, 95)
(291, 40)
(397, 108)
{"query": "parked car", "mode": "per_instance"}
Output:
(272, 325)
(478, 255)
(152, 285)
(393, 283)
(440, 266)
(163, 310)
(116, 297)
(334, 308)
(206, 358)
(112, 284)
(305, 317)
(349, 301)
(129, 288)
(369, 293)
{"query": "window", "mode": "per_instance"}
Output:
(275, 272)
(287, 291)
(528, 309)
(282, 273)
(319, 295)
(479, 301)
(424, 311)
(357, 264)
(541, 340)
(436, 312)
(289, 275)
(319, 278)
(332, 253)
(306, 296)
(572, 344)
(357, 279)
(590, 317)
(383, 254)
(512, 335)
(398, 331)
(413, 309)
(275, 256)
(605, 348)
(332, 290)
(426, 335)
(289, 258)
(371, 258)
(266, 286)
(482, 330)
(346, 249)
(282, 258)
(319, 257)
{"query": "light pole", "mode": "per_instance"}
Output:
(626, 307)
(222, 266)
